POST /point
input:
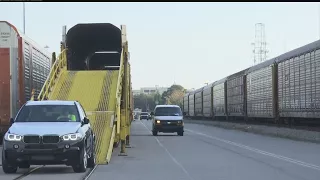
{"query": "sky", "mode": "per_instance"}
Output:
(184, 43)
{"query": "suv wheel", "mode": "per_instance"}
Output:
(24, 165)
(92, 159)
(7, 167)
(83, 160)
(180, 133)
(155, 133)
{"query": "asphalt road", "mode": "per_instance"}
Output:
(204, 152)
(43, 173)
(207, 152)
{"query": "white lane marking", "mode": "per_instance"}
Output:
(173, 159)
(301, 163)
(91, 172)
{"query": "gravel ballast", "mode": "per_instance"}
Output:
(294, 134)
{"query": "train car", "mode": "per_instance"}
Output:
(198, 102)
(299, 82)
(262, 90)
(191, 104)
(207, 101)
(24, 66)
(186, 104)
(219, 94)
(236, 94)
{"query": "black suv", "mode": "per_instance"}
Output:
(49, 133)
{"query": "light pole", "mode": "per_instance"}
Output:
(24, 18)
(319, 19)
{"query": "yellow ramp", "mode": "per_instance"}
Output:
(96, 91)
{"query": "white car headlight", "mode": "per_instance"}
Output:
(72, 137)
(13, 137)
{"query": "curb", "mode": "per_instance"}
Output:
(279, 132)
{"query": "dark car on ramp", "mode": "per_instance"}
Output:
(49, 133)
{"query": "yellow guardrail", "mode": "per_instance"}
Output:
(56, 68)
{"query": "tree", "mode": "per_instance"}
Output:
(174, 95)
(144, 102)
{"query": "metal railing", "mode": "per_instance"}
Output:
(56, 68)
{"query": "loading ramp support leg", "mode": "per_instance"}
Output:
(123, 134)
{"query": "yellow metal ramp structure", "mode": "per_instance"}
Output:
(96, 91)
(102, 94)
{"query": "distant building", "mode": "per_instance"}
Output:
(150, 90)
(136, 92)
(190, 90)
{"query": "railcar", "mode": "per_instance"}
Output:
(236, 95)
(219, 98)
(198, 102)
(207, 101)
(24, 66)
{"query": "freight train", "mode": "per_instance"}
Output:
(285, 88)
(24, 66)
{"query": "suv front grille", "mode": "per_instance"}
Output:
(31, 139)
(50, 139)
(40, 146)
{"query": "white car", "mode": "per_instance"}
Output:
(167, 119)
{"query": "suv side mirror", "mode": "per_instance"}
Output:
(152, 113)
(86, 121)
(11, 121)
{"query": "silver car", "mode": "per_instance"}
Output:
(49, 132)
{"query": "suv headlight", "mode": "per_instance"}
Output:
(13, 137)
(72, 137)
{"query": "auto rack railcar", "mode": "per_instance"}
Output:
(198, 102)
(24, 66)
(191, 104)
(261, 90)
(236, 94)
(207, 101)
(299, 82)
(219, 98)
(186, 104)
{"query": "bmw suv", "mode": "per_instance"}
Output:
(167, 119)
(49, 133)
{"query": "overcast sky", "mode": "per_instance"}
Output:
(186, 43)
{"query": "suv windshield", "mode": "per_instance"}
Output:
(144, 114)
(48, 113)
(168, 111)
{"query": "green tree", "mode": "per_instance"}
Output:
(144, 102)
(174, 95)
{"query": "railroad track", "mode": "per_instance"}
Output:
(28, 173)
(32, 170)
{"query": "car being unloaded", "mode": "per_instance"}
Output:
(167, 119)
(49, 133)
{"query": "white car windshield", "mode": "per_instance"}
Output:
(168, 111)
